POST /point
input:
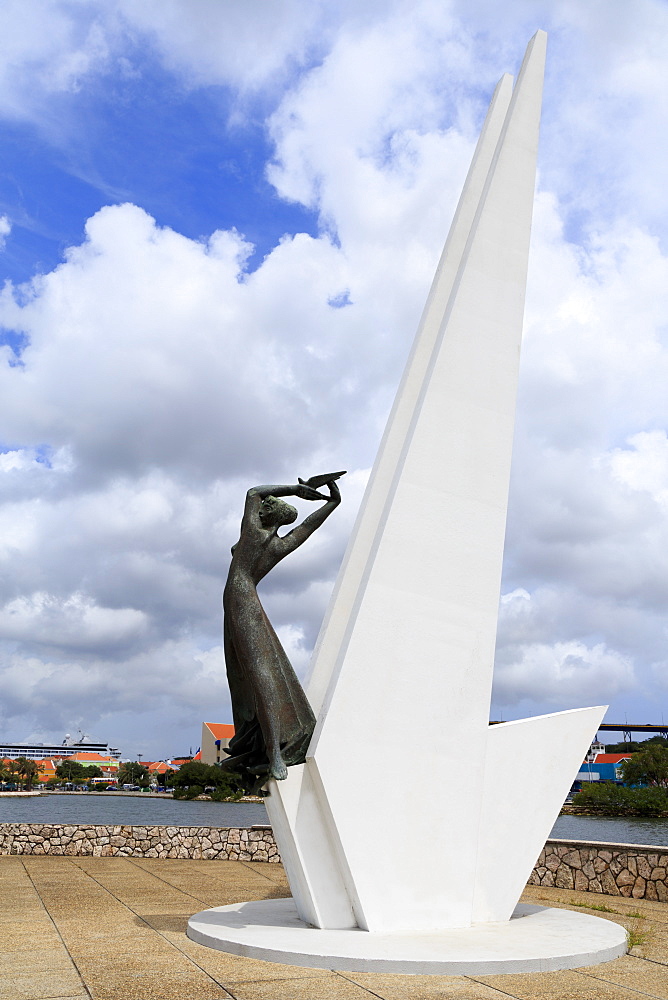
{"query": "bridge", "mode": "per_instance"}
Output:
(625, 728)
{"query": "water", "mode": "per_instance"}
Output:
(129, 809)
(612, 829)
(149, 811)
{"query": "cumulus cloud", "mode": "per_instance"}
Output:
(566, 672)
(145, 347)
(51, 696)
(75, 622)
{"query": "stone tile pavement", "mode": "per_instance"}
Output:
(114, 929)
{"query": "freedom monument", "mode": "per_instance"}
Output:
(409, 639)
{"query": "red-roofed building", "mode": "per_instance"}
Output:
(612, 758)
(48, 765)
(157, 770)
(215, 737)
(156, 766)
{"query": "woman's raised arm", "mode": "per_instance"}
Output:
(298, 535)
(301, 490)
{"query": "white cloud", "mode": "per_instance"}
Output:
(644, 466)
(50, 54)
(5, 230)
(169, 686)
(74, 43)
(210, 42)
(564, 673)
(75, 622)
(146, 348)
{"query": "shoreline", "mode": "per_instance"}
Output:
(598, 814)
(245, 800)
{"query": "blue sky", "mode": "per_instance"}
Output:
(220, 222)
(145, 139)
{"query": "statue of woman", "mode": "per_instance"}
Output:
(273, 720)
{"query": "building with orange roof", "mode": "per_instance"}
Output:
(48, 765)
(158, 768)
(215, 737)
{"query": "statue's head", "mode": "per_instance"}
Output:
(275, 512)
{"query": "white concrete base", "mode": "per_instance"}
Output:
(535, 939)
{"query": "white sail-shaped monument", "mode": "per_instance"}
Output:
(403, 751)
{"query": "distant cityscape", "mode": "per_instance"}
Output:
(85, 751)
(602, 763)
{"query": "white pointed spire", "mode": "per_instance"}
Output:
(403, 669)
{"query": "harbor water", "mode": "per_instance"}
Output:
(612, 829)
(131, 810)
(146, 810)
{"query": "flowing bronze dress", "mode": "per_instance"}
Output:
(272, 718)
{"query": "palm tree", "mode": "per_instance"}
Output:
(31, 771)
(4, 772)
(28, 770)
(131, 772)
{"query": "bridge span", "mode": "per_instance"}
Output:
(625, 728)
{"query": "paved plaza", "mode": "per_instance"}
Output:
(114, 929)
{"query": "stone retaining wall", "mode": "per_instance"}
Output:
(613, 869)
(226, 844)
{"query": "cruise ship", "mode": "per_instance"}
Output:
(39, 751)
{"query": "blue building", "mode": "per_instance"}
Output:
(603, 767)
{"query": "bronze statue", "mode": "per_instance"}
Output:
(273, 720)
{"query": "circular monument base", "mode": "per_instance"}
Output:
(535, 939)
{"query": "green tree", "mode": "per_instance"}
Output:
(192, 778)
(607, 798)
(635, 746)
(13, 770)
(131, 772)
(649, 767)
(70, 770)
(632, 747)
